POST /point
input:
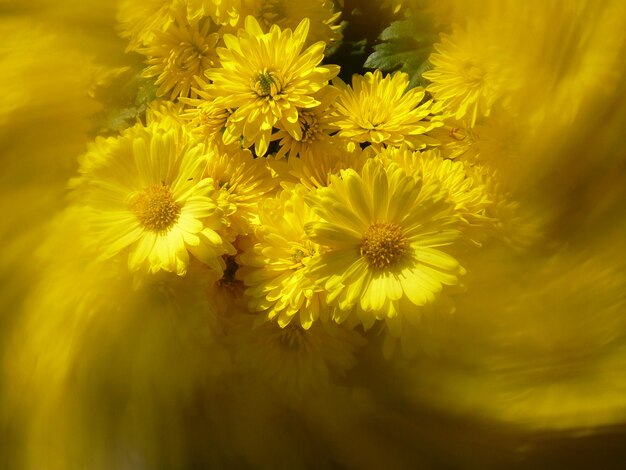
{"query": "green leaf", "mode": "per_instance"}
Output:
(406, 45)
(146, 92)
(124, 99)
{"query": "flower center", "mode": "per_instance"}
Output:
(457, 133)
(383, 245)
(272, 12)
(190, 58)
(472, 74)
(156, 208)
(268, 84)
(308, 123)
(301, 252)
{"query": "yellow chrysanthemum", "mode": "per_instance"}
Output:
(165, 114)
(267, 78)
(139, 21)
(469, 195)
(176, 56)
(314, 170)
(324, 20)
(383, 112)
(208, 119)
(316, 124)
(275, 269)
(477, 193)
(464, 78)
(145, 192)
(243, 181)
(498, 141)
(223, 12)
(456, 137)
(381, 235)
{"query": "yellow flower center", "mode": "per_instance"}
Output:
(383, 245)
(308, 123)
(297, 256)
(156, 208)
(268, 84)
(302, 252)
(211, 120)
(457, 133)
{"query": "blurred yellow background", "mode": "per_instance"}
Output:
(530, 371)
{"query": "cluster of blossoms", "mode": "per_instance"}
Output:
(296, 226)
(317, 208)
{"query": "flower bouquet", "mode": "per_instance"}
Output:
(294, 234)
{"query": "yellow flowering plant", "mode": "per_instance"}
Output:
(261, 233)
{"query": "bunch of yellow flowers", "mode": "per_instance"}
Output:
(327, 202)
(256, 217)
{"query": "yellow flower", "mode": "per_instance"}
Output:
(314, 170)
(468, 194)
(139, 21)
(464, 79)
(223, 12)
(243, 181)
(275, 269)
(267, 78)
(316, 125)
(498, 141)
(382, 234)
(145, 192)
(165, 114)
(288, 13)
(176, 56)
(383, 112)
(208, 119)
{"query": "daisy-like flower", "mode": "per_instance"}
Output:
(316, 125)
(145, 192)
(179, 54)
(383, 112)
(382, 235)
(464, 79)
(266, 79)
(275, 269)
